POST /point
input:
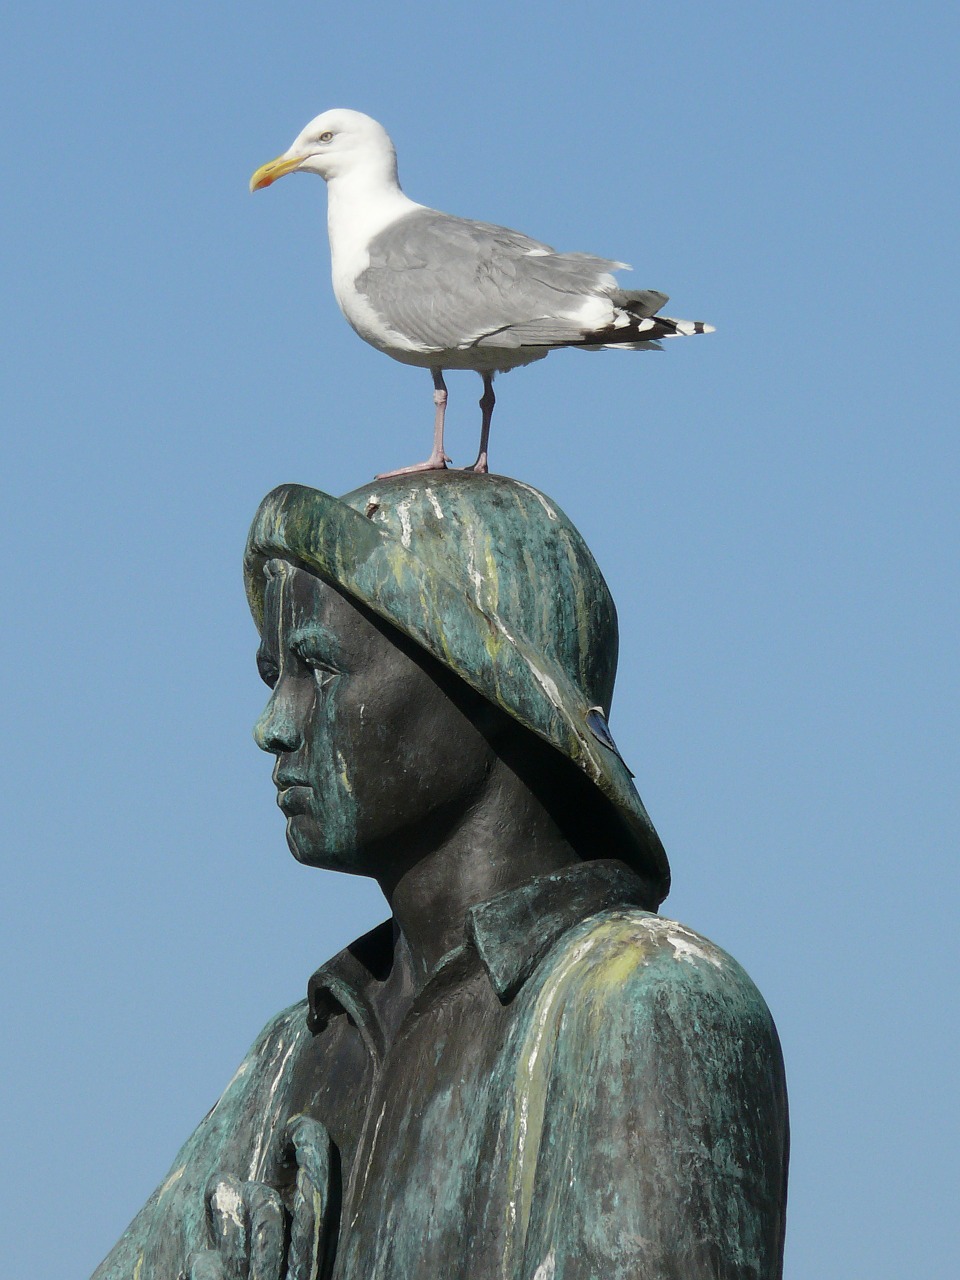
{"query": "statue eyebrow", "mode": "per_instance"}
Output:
(314, 634)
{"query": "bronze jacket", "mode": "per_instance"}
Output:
(581, 1091)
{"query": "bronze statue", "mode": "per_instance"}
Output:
(525, 1073)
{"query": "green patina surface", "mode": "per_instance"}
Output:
(646, 1076)
(580, 1090)
(330, 772)
(629, 1120)
(439, 556)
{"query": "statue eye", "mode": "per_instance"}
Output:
(327, 136)
(320, 668)
(322, 674)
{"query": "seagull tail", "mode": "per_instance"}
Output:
(637, 327)
(681, 328)
(633, 333)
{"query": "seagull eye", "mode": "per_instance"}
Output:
(327, 136)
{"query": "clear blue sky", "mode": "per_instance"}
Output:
(775, 508)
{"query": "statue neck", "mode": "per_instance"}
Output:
(504, 839)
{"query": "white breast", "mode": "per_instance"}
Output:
(356, 213)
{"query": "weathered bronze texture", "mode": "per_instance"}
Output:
(525, 1073)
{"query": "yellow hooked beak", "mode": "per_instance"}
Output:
(273, 170)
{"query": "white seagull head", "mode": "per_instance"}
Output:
(334, 145)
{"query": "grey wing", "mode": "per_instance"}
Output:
(449, 283)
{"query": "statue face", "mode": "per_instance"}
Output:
(376, 756)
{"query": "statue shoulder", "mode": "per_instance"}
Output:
(649, 1062)
(261, 1074)
(231, 1138)
(639, 965)
(649, 1002)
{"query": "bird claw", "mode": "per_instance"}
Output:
(431, 464)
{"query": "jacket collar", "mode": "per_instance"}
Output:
(511, 933)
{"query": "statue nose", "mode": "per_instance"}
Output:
(277, 729)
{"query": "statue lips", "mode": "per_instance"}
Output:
(293, 797)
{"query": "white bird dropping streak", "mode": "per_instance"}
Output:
(445, 293)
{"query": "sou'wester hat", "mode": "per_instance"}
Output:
(492, 579)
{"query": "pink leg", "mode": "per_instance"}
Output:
(487, 401)
(438, 459)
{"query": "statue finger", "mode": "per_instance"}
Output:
(227, 1223)
(312, 1150)
(306, 1227)
(266, 1231)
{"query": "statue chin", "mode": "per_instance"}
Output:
(313, 844)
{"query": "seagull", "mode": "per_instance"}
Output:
(442, 292)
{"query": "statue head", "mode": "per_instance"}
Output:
(467, 602)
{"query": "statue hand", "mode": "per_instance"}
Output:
(247, 1223)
